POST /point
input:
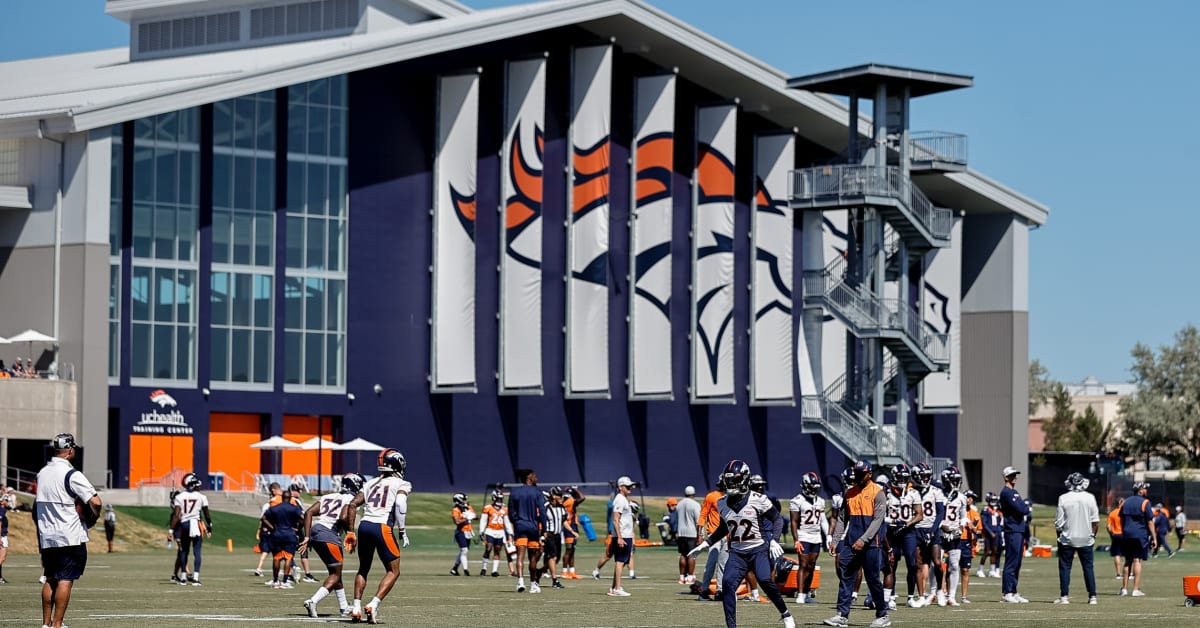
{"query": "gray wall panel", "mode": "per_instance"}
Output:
(995, 389)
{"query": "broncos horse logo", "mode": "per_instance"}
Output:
(524, 206)
(765, 203)
(938, 307)
(714, 179)
(464, 210)
(655, 155)
(591, 166)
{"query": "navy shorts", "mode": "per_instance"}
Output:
(806, 547)
(1115, 548)
(1135, 548)
(64, 563)
(621, 554)
(461, 539)
(684, 544)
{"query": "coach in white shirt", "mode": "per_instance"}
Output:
(62, 537)
(1076, 520)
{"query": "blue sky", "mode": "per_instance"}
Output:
(1073, 105)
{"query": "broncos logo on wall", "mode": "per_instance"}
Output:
(714, 179)
(764, 203)
(939, 309)
(655, 156)
(524, 206)
(464, 210)
(591, 166)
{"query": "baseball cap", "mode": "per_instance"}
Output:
(625, 481)
(1009, 471)
(689, 491)
(671, 501)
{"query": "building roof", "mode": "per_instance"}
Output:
(78, 92)
(1092, 387)
(863, 79)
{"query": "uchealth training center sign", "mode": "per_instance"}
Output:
(164, 419)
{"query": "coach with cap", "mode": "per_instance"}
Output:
(62, 534)
(1015, 512)
(1076, 520)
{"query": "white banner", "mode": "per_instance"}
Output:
(452, 359)
(771, 361)
(587, 231)
(521, 228)
(650, 238)
(712, 255)
(825, 240)
(942, 307)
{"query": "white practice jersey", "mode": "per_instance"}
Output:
(330, 509)
(811, 515)
(930, 497)
(190, 505)
(379, 498)
(956, 514)
(902, 507)
(745, 533)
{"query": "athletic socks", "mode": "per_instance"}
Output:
(341, 598)
(319, 595)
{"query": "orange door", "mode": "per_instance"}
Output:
(229, 451)
(153, 456)
(300, 429)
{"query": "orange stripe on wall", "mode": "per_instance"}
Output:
(300, 429)
(229, 440)
(151, 456)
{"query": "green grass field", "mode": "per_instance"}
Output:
(131, 588)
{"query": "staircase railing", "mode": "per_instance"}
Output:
(852, 180)
(939, 146)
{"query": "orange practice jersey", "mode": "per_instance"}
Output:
(710, 517)
(974, 525)
(495, 517)
(457, 513)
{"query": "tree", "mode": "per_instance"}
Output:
(1060, 428)
(1090, 434)
(1163, 416)
(1041, 387)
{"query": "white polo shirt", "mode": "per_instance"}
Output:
(58, 522)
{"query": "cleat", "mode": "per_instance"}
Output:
(789, 621)
(257, 573)
(950, 602)
(981, 573)
(941, 599)
(355, 615)
(288, 584)
(837, 620)
(309, 578)
(811, 600)
(311, 607)
(344, 611)
(372, 614)
(483, 572)
(618, 593)
(881, 622)
(534, 587)
(466, 571)
(181, 582)
(1123, 593)
(1062, 600)
(521, 587)
(1138, 593)
(454, 572)
(495, 574)
(892, 604)
(595, 574)
(557, 585)
(195, 582)
(1092, 600)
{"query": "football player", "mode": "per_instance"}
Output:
(751, 547)
(463, 515)
(971, 532)
(929, 546)
(497, 530)
(952, 525)
(902, 515)
(264, 533)
(284, 520)
(188, 507)
(993, 522)
(297, 490)
(385, 508)
(810, 528)
(572, 498)
(325, 521)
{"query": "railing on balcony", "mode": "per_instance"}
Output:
(10, 161)
(837, 423)
(852, 180)
(937, 146)
(908, 319)
(894, 442)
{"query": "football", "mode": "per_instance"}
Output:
(87, 516)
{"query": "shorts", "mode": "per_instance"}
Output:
(805, 548)
(375, 539)
(569, 535)
(992, 545)
(460, 539)
(1115, 548)
(527, 535)
(110, 529)
(64, 563)
(1135, 548)
(283, 548)
(621, 554)
(494, 541)
(330, 553)
(552, 548)
(684, 544)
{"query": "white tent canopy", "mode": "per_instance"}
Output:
(360, 444)
(4, 341)
(275, 443)
(315, 443)
(32, 335)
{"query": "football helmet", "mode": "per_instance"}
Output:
(634, 507)
(810, 484)
(736, 478)
(847, 478)
(498, 496)
(352, 483)
(991, 499)
(922, 474)
(901, 475)
(461, 500)
(861, 471)
(556, 491)
(951, 477)
(191, 482)
(758, 483)
(392, 461)
(971, 494)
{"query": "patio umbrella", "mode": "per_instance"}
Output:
(315, 443)
(31, 336)
(276, 444)
(360, 445)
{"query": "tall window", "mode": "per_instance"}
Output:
(243, 231)
(116, 172)
(166, 172)
(315, 288)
